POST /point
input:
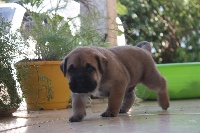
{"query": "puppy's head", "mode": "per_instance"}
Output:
(84, 67)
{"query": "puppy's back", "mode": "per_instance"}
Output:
(136, 60)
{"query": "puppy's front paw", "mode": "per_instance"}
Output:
(76, 118)
(108, 114)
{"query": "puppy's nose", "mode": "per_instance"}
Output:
(80, 81)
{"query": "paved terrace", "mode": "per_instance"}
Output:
(183, 116)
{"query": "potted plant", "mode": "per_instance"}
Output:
(9, 42)
(40, 78)
(46, 88)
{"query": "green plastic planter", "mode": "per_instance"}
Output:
(183, 81)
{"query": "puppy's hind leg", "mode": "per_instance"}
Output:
(128, 100)
(158, 83)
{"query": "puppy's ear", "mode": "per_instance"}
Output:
(102, 63)
(63, 66)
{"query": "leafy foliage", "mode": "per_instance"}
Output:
(9, 43)
(121, 9)
(172, 26)
(54, 37)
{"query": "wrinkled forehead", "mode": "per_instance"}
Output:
(80, 59)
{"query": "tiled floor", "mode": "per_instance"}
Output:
(183, 116)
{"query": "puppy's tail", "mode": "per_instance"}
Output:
(145, 45)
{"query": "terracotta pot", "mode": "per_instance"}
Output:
(40, 81)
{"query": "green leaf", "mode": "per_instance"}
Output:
(121, 9)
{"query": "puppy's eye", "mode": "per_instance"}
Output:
(90, 69)
(71, 70)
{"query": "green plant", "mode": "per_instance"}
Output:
(9, 46)
(51, 37)
(54, 38)
(172, 27)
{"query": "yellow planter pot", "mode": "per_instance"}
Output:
(43, 80)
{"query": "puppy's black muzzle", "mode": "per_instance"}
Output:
(82, 84)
